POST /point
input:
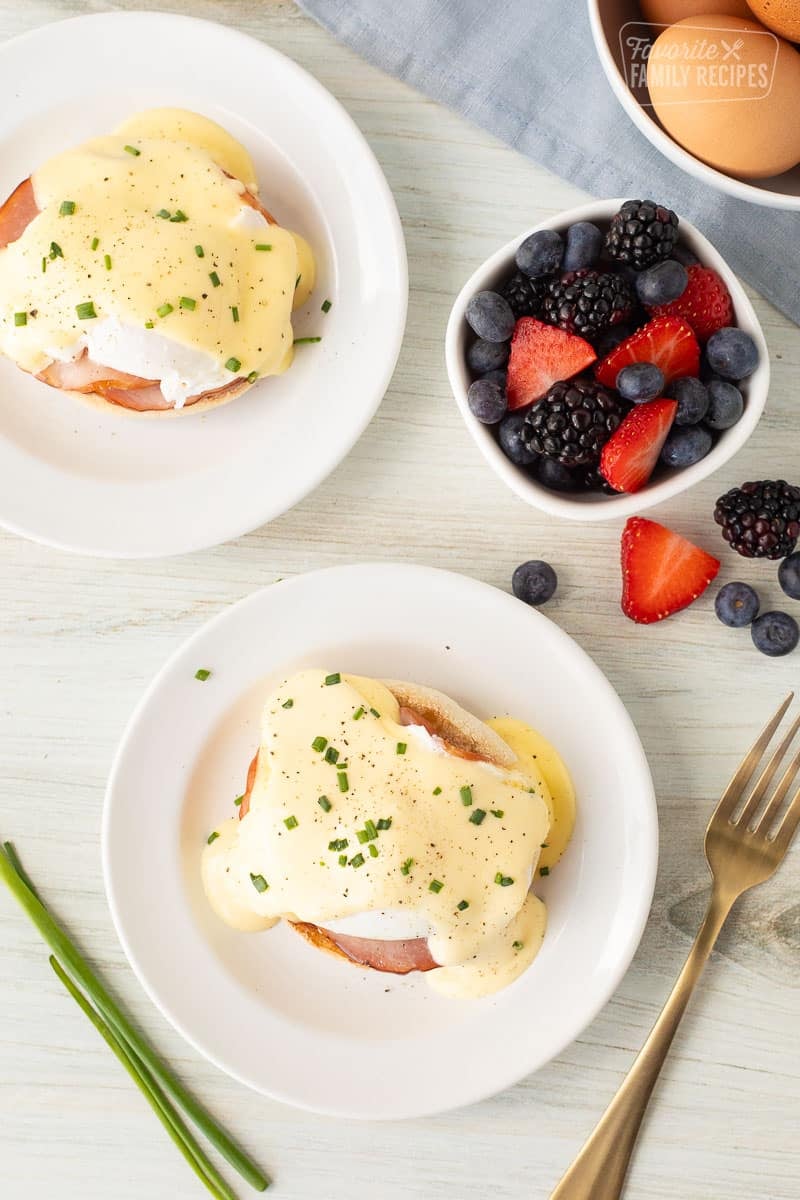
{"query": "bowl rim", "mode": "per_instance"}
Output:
(738, 188)
(590, 506)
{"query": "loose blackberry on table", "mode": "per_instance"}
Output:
(573, 421)
(642, 233)
(760, 519)
(586, 302)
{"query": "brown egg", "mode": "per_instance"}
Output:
(728, 91)
(667, 12)
(781, 16)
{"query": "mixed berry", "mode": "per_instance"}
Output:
(607, 355)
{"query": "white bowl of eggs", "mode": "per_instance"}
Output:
(714, 85)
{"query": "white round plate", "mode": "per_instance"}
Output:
(107, 482)
(290, 1020)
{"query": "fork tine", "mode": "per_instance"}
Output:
(766, 777)
(788, 826)
(744, 772)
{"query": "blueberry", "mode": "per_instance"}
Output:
(487, 401)
(736, 604)
(498, 377)
(540, 254)
(640, 381)
(534, 582)
(557, 478)
(685, 445)
(692, 397)
(483, 356)
(725, 404)
(775, 633)
(490, 316)
(661, 284)
(789, 575)
(732, 353)
(509, 435)
(584, 243)
(683, 255)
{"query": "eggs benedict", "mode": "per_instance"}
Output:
(394, 829)
(141, 269)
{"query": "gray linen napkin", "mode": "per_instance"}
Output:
(527, 71)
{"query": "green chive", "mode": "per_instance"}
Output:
(374, 712)
(544, 870)
(55, 250)
(263, 246)
(149, 325)
(373, 849)
(503, 880)
(437, 791)
(188, 303)
(326, 306)
(235, 314)
(288, 703)
(372, 832)
(132, 150)
(199, 251)
(212, 837)
(516, 945)
(325, 804)
(357, 860)
(107, 262)
(331, 755)
(67, 208)
(85, 311)
(358, 714)
(385, 823)
(232, 365)
(338, 844)
(498, 812)
(331, 679)
(406, 867)
(362, 836)
(297, 281)
(252, 377)
(164, 310)
(44, 265)
(319, 744)
(435, 886)
(342, 860)
(239, 800)
(179, 217)
(342, 780)
(462, 904)
(306, 341)
(258, 882)
(477, 816)
(163, 213)
(20, 318)
(401, 747)
(291, 822)
(214, 277)
(466, 796)
(202, 674)
(95, 242)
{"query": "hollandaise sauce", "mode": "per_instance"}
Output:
(353, 813)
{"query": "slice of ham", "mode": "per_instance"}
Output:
(17, 213)
(394, 956)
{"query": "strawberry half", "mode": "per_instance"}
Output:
(541, 355)
(706, 304)
(662, 572)
(632, 451)
(666, 341)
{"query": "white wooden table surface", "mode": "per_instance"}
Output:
(81, 638)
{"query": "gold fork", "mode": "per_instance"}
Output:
(744, 845)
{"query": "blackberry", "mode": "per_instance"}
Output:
(573, 422)
(642, 233)
(525, 295)
(761, 519)
(586, 302)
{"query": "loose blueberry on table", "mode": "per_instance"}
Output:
(590, 353)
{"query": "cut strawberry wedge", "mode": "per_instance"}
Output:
(662, 572)
(632, 451)
(541, 355)
(669, 342)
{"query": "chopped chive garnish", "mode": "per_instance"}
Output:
(202, 674)
(258, 882)
(477, 816)
(466, 796)
(342, 860)
(188, 303)
(212, 837)
(20, 318)
(503, 880)
(55, 250)
(544, 870)
(385, 823)
(498, 812)
(406, 867)
(67, 208)
(462, 904)
(95, 242)
(319, 744)
(437, 791)
(297, 281)
(362, 836)
(214, 277)
(325, 804)
(85, 311)
(44, 265)
(331, 679)
(149, 325)
(374, 712)
(358, 714)
(304, 341)
(199, 251)
(107, 262)
(373, 849)
(179, 217)
(132, 150)
(342, 781)
(163, 213)
(435, 885)
(235, 314)
(263, 246)
(516, 945)
(326, 306)
(239, 800)
(401, 747)
(288, 703)
(252, 377)
(291, 822)
(357, 860)
(331, 755)
(371, 830)
(338, 844)
(164, 310)
(232, 365)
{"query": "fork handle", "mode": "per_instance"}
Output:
(598, 1173)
